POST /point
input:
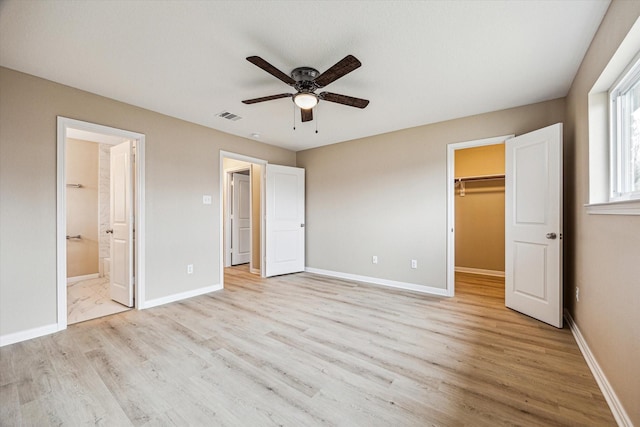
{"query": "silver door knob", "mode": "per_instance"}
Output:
(301, 225)
(551, 236)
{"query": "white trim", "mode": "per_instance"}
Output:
(181, 296)
(451, 213)
(621, 416)
(241, 157)
(377, 281)
(29, 334)
(63, 124)
(254, 270)
(483, 272)
(623, 207)
(81, 278)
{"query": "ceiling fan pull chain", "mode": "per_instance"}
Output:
(294, 117)
(317, 118)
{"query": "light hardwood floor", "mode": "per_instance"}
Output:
(306, 350)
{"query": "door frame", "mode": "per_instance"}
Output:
(243, 158)
(64, 124)
(227, 214)
(451, 205)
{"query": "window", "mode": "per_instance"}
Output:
(624, 125)
(614, 132)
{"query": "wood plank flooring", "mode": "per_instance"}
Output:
(306, 350)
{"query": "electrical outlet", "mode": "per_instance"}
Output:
(414, 263)
(206, 199)
(189, 268)
(374, 259)
(577, 294)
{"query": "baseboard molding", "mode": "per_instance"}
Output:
(377, 281)
(81, 278)
(254, 271)
(180, 296)
(481, 271)
(609, 394)
(28, 334)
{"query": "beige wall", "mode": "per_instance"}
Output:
(82, 207)
(386, 195)
(480, 212)
(478, 161)
(182, 164)
(603, 250)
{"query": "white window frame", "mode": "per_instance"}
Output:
(619, 180)
(601, 200)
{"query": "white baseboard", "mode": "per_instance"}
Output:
(609, 394)
(28, 334)
(81, 278)
(254, 271)
(377, 281)
(481, 271)
(182, 295)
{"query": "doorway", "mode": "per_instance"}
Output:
(533, 221)
(100, 220)
(475, 186)
(242, 209)
(277, 215)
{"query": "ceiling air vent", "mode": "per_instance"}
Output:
(229, 116)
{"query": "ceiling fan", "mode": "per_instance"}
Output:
(306, 80)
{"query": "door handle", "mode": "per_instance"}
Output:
(109, 231)
(551, 236)
(301, 225)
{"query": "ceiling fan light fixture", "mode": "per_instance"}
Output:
(305, 100)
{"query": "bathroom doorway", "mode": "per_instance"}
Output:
(99, 199)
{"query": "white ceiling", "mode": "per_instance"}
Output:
(422, 61)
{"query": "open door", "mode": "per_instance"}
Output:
(284, 223)
(121, 285)
(241, 219)
(533, 224)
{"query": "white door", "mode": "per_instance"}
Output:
(533, 224)
(241, 219)
(284, 223)
(121, 225)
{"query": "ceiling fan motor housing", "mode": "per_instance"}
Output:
(304, 77)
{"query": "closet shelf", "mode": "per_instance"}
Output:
(479, 178)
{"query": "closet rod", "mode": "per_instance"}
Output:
(479, 178)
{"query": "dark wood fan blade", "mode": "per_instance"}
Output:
(344, 99)
(267, 98)
(256, 60)
(307, 115)
(343, 67)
